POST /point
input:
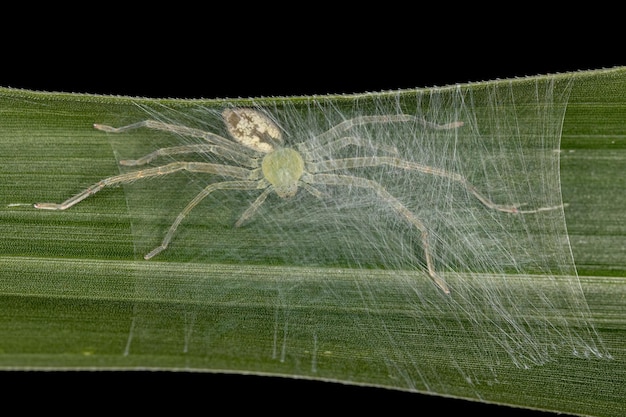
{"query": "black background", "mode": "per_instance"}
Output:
(267, 63)
(356, 72)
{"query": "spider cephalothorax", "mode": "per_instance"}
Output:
(283, 168)
(260, 160)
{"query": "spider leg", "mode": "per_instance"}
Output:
(236, 157)
(257, 203)
(177, 129)
(312, 150)
(224, 170)
(261, 199)
(351, 181)
(226, 185)
(313, 191)
(382, 119)
(373, 161)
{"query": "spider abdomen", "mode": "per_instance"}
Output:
(283, 168)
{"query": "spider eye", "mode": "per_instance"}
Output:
(287, 191)
(253, 129)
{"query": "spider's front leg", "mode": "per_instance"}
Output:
(351, 181)
(374, 161)
(314, 151)
(385, 119)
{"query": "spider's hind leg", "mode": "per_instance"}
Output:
(239, 158)
(226, 185)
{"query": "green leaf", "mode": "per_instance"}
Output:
(333, 284)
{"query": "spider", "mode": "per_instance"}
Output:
(260, 160)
